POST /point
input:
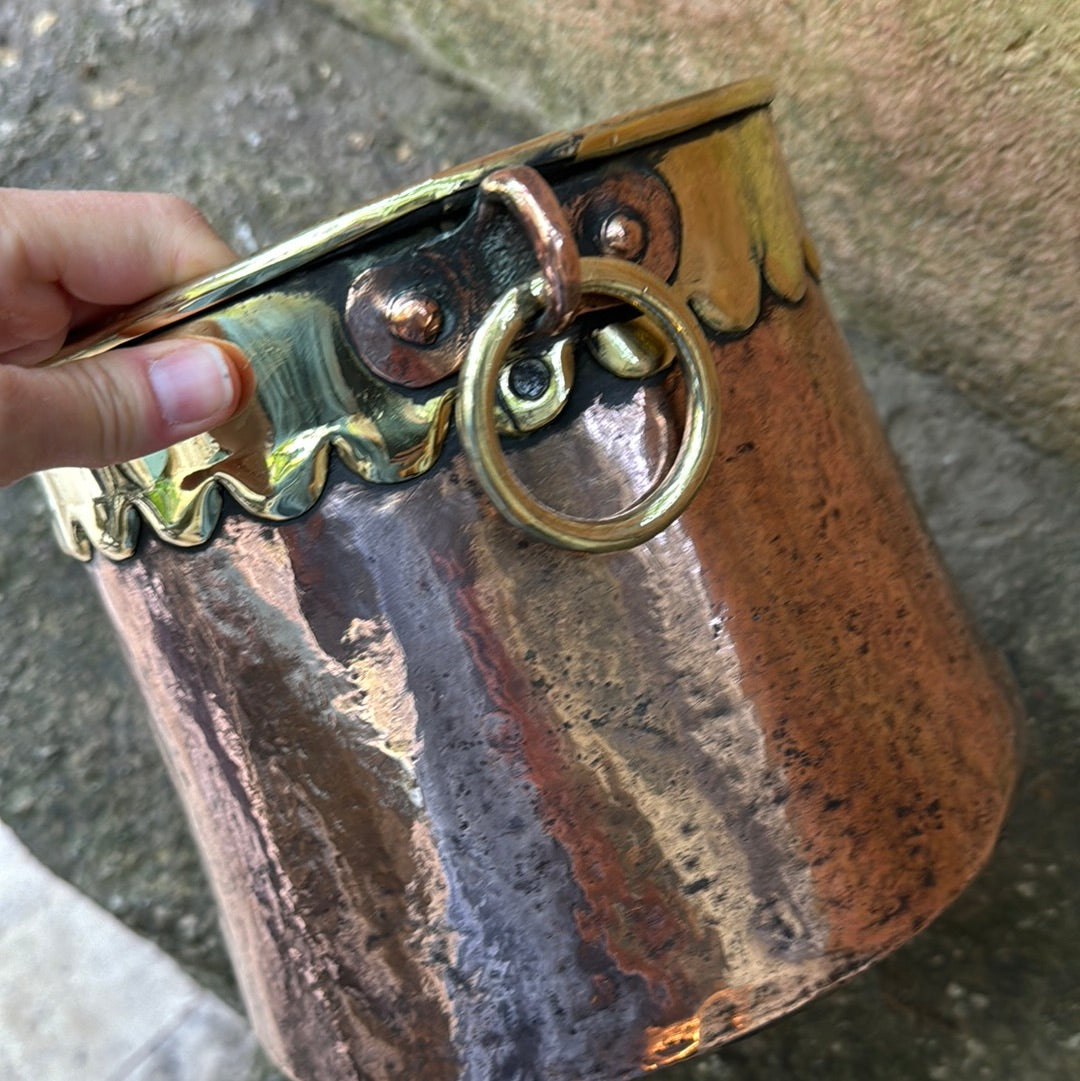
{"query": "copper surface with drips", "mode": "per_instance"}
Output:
(480, 808)
(510, 811)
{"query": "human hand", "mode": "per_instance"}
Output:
(67, 259)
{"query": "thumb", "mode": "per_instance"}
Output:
(120, 405)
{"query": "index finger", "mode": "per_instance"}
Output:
(105, 248)
(70, 257)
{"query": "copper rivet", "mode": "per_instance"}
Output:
(622, 236)
(414, 318)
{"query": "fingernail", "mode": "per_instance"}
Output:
(192, 384)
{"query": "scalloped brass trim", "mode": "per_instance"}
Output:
(716, 152)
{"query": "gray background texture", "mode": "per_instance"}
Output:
(271, 116)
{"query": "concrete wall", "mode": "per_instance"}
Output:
(934, 145)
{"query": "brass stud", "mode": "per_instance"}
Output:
(414, 318)
(622, 236)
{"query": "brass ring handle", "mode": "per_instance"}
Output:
(655, 510)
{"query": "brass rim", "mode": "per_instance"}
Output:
(594, 142)
(476, 422)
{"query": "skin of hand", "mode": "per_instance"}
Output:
(69, 260)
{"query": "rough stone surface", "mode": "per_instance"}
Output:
(273, 115)
(124, 1011)
(933, 145)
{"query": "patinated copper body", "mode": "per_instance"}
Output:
(479, 807)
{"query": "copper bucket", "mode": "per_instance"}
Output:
(572, 755)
